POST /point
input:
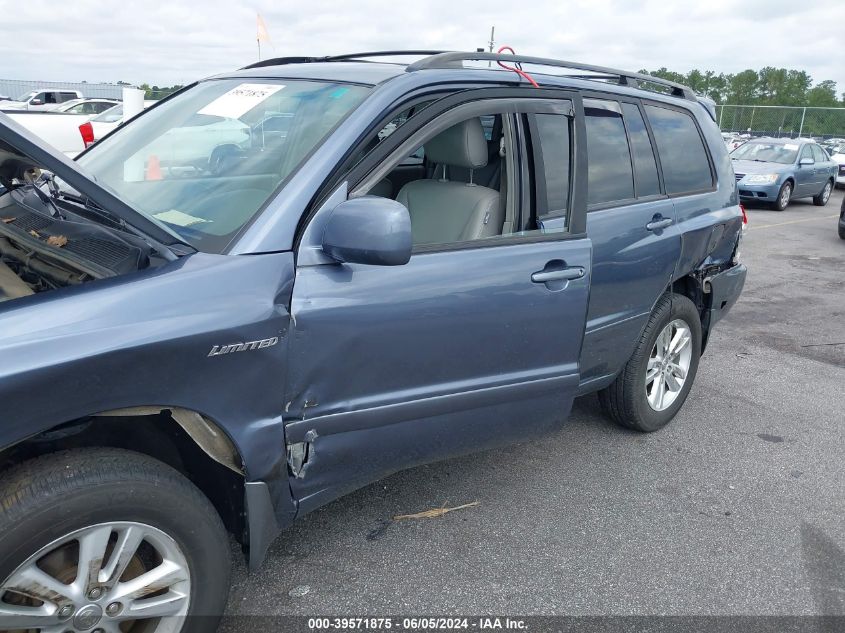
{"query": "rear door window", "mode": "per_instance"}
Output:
(646, 180)
(610, 177)
(819, 155)
(686, 167)
(554, 152)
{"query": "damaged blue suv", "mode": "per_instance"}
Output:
(283, 283)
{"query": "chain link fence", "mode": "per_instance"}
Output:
(781, 121)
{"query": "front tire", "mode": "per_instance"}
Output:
(821, 199)
(784, 196)
(655, 382)
(109, 539)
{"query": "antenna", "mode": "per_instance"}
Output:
(491, 43)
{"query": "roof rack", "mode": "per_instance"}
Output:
(622, 77)
(453, 59)
(280, 61)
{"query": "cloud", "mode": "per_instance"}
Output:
(182, 40)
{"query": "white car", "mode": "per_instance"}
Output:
(186, 145)
(59, 129)
(733, 140)
(42, 99)
(90, 107)
(97, 127)
(837, 155)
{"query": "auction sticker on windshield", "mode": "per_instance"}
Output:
(240, 100)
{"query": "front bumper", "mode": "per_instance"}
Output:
(766, 193)
(725, 289)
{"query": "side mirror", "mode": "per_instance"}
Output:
(806, 161)
(369, 230)
(35, 102)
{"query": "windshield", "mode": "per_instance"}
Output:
(110, 116)
(207, 160)
(27, 96)
(784, 153)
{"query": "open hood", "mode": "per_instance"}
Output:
(22, 152)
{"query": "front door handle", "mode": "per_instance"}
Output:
(659, 222)
(565, 274)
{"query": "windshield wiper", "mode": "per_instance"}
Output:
(169, 253)
(46, 199)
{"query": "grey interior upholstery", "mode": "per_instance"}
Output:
(445, 211)
(490, 174)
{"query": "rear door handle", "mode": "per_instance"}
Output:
(659, 223)
(567, 274)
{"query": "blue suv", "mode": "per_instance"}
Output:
(213, 323)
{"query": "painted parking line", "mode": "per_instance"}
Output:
(768, 226)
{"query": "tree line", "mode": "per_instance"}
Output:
(768, 86)
(156, 92)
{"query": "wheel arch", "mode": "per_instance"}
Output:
(690, 287)
(185, 440)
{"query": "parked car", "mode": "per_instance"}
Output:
(734, 140)
(59, 129)
(777, 170)
(97, 127)
(837, 155)
(42, 99)
(86, 106)
(186, 353)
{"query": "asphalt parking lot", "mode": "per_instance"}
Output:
(738, 507)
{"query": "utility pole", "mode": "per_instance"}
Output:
(491, 42)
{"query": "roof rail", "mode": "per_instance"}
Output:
(281, 61)
(623, 77)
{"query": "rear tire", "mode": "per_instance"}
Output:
(74, 511)
(627, 399)
(784, 196)
(823, 197)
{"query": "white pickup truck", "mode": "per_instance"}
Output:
(59, 129)
(42, 99)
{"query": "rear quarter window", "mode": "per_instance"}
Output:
(686, 167)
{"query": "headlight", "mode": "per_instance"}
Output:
(761, 179)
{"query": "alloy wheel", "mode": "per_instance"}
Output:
(109, 578)
(785, 195)
(826, 193)
(668, 365)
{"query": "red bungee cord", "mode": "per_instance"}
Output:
(518, 68)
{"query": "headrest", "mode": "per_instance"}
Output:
(462, 145)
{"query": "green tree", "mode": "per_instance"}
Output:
(768, 86)
(743, 87)
(823, 95)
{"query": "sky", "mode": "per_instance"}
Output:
(182, 40)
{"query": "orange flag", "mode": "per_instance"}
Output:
(261, 34)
